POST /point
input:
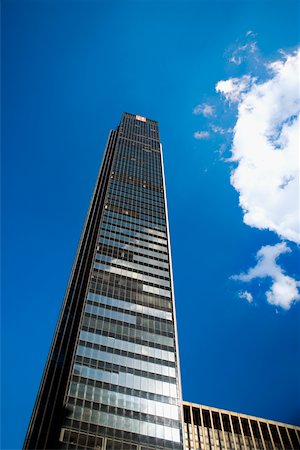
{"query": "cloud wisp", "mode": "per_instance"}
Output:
(201, 135)
(238, 55)
(243, 51)
(284, 289)
(246, 295)
(220, 130)
(265, 151)
(204, 109)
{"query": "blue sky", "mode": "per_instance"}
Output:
(69, 70)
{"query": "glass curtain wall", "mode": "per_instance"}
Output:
(124, 388)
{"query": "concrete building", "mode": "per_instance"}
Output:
(208, 428)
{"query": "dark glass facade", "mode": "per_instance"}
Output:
(112, 376)
(208, 428)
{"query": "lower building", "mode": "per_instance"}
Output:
(211, 428)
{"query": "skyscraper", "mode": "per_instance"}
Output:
(112, 377)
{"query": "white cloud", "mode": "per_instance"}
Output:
(233, 88)
(201, 135)
(247, 295)
(204, 109)
(266, 147)
(284, 289)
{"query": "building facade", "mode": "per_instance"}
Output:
(207, 428)
(112, 376)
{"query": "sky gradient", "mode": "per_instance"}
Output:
(69, 70)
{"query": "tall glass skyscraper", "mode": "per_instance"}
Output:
(112, 376)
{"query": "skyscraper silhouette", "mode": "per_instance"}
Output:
(112, 377)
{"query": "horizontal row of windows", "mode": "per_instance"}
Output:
(126, 424)
(137, 285)
(132, 414)
(124, 217)
(120, 400)
(137, 267)
(112, 285)
(124, 390)
(145, 178)
(142, 322)
(136, 356)
(151, 221)
(138, 182)
(143, 153)
(116, 439)
(134, 307)
(135, 202)
(151, 262)
(110, 314)
(156, 291)
(144, 269)
(130, 122)
(159, 202)
(146, 322)
(126, 255)
(158, 336)
(130, 240)
(141, 135)
(146, 172)
(83, 440)
(137, 289)
(138, 249)
(136, 151)
(134, 180)
(128, 380)
(127, 346)
(132, 166)
(137, 210)
(125, 361)
(134, 226)
(139, 157)
(136, 234)
(150, 146)
(135, 190)
(138, 135)
(100, 364)
(128, 273)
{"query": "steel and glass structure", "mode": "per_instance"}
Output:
(112, 376)
(207, 428)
